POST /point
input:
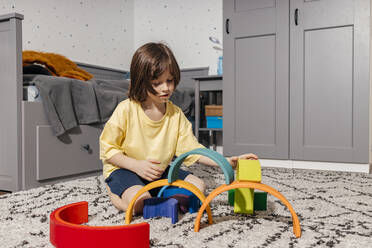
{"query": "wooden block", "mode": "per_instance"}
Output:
(193, 204)
(161, 206)
(248, 170)
(231, 197)
(260, 201)
(243, 202)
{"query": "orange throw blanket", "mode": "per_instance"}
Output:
(57, 64)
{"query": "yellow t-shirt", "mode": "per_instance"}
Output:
(131, 132)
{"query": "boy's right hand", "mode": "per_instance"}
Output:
(149, 169)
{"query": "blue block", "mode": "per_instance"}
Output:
(161, 207)
(194, 202)
(214, 121)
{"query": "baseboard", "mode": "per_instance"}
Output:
(349, 167)
(311, 165)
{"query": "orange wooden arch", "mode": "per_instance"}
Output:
(252, 185)
(163, 182)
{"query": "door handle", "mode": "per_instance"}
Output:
(296, 17)
(227, 25)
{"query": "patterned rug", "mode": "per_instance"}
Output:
(334, 209)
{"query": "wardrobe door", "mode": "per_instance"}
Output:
(329, 80)
(256, 76)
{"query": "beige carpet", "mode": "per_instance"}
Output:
(335, 210)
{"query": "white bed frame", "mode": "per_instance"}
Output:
(30, 156)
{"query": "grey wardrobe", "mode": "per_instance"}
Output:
(297, 79)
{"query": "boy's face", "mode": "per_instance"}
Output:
(163, 86)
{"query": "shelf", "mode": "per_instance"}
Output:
(209, 83)
(213, 84)
(209, 129)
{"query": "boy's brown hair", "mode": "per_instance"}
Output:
(148, 63)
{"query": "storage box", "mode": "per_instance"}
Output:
(213, 110)
(214, 121)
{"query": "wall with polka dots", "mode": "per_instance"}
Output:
(89, 31)
(107, 32)
(184, 25)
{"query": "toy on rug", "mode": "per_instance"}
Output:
(56, 64)
(247, 200)
(247, 170)
(230, 184)
(161, 207)
(168, 201)
(66, 231)
(174, 181)
(188, 202)
(259, 200)
(248, 177)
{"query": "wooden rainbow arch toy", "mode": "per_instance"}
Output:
(229, 184)
(66, 230)
(65, 222)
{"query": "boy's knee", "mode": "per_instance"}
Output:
(122, 203)
(130, 193)
(199, 183)
(119, 203)
(202, 185)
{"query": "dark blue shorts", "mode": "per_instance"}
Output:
(122, 179)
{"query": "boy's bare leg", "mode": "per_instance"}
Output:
(123, 202)
(196, 181)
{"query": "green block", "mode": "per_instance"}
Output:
(260, 201)
(244, 200)
(231, 196)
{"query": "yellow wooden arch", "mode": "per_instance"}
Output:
(252, 185)
(163, 182)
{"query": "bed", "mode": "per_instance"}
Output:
(31, 154)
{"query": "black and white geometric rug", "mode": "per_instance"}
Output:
(334, 208)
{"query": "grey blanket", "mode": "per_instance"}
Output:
(69, 102)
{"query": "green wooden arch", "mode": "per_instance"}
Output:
(215, 156)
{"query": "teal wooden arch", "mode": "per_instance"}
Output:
(215, 156)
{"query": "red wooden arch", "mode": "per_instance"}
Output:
(66, 231)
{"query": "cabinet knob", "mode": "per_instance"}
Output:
(86, 147)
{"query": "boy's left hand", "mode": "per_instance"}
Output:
(234, 160)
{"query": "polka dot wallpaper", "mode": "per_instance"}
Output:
(184, 25)
(90, 31)
(107, 32)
